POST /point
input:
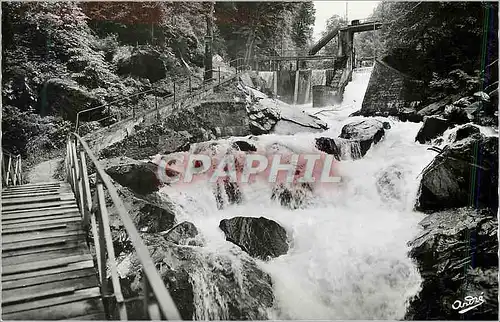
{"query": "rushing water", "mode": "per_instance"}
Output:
(348, 258)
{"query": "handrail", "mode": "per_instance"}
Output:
(189, 93)
(158, 302)
(176, 86)
(12, 172)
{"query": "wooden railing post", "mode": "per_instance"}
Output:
(8, 171)
(105, 236)
(158, 301)
(76, 178)
(4, 177)
(20, 170)
(87, 198)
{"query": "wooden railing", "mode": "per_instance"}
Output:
(158, 303)
(11, 169)
(185, 86)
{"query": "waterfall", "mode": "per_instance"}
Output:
(348, 257)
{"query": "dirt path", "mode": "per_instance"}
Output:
(44, 172)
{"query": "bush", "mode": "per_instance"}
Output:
(30, 134)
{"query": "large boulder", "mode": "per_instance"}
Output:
(366, 132)
(463, 132)
(204, 285)
(262, 119)
(65, 97)
(292, 196)
(140, 177)
(150, 213)
(457, 256)
(437, 107)
(465, 173)
(184, 233)
(144, 63)
(149, 141)
(432, 128)
(328, 145)
(259, 237)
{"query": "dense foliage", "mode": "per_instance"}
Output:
(438, 37)
(264, 28)
(62, 57)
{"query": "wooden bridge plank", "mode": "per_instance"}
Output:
(14, 214)
(19, 230)
(47, 278)
(47, 269)
(57, 270)
(22, 195)
(53, 204)
(56, 213)
(20, 268)
(76, 296)
(71, 220)
(36, 257)
(29, 200)
(41, 290)
(61, 311)
(44, 248)
(13, 297)
(90, 317)
(29, 236)
(53, 183)
(39, 243)
(27, 191)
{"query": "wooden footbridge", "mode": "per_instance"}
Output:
(48, 269)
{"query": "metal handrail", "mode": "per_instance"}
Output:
(176, 85)
(158, 302)
(12, 172)
(190, 93)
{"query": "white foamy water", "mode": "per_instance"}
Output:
(348, 257)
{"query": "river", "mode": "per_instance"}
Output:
(348, 258)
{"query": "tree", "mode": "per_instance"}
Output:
(261, 28)
(438, 37)
(302, 27)
(333, 23)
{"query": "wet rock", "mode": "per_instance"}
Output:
(410, 115)
(184, 233)
(293, 196)
(457, 256)
(227, 192)
(463, 132)
(437, 107)
(150, 213)
(140, 177)
(447, 180)
(329, 146)
(244, 146)
(456, 115)
(205, 285)
(262, 118)
(259, 237)
(482, 96)
(389, 182)
(366, 132)
(432, 128)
